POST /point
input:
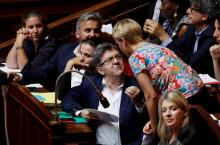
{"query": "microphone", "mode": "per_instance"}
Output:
(103, 100)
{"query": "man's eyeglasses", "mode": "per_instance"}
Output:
(110, 59)
(193, 9)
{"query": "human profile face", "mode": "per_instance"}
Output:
(173, 116)
(217, 31)
(88, 29)
(167, 8)
(121, 44)
(34, 28)
(111, 63)
(86, 52)
(194, 15)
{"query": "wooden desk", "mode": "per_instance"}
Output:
(28, 121)
(72, 133)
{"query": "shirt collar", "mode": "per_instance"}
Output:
(76, 50)
(104, 84)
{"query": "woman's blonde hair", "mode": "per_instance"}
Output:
(127, 29)
(179, 100)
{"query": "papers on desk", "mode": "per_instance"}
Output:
(208, 80)
(66, 116)
(46, 97)
(103, 116)
(6, 69)
(34, 85)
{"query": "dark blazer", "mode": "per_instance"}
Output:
(45, 51)
(130, 121)
(48, 73)
(201, 61)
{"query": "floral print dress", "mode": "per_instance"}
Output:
(166, 71)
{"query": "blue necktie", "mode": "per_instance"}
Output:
(197, 42)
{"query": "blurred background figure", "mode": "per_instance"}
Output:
(175, 24)
(33, 45)
(215, 49)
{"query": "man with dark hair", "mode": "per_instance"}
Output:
(194, 46)
(120, 91)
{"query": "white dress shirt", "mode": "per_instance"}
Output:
(108, 133)
(76, 79)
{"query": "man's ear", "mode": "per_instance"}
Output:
(99, 70)
(205, 17)
(77, 34)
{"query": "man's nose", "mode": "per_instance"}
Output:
(92, 34)
(35, 29)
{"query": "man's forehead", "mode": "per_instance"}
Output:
(86, 47)
(109, 53)
(90, 23)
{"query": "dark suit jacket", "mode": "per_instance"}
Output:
(201, 61)
(45, 52)
(48, 73)
(130, 121)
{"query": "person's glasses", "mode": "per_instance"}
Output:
(193, 9)
(111, 59)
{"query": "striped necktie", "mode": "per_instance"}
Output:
(197, 41)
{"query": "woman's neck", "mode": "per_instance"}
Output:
(175, 133)
(137, 45)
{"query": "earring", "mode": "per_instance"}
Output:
(175, 14)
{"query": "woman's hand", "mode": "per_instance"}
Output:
(22, 34)
(155, 29)
(147, 128)
(215, 51)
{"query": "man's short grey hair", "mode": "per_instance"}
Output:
(100, 50)
(89, 16)
(206, 7)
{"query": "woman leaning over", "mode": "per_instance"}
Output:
(157, 69)
(33, 45)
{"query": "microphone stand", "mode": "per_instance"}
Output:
(102, 99)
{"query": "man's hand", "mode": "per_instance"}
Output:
(75, 63)
(89, 115)
(134, 93)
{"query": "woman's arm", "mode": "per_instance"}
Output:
(150, 97)
(11, 59)
(17, 57)
(155, 29)
(21, 57)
